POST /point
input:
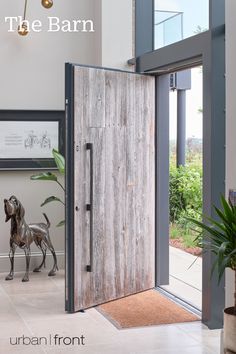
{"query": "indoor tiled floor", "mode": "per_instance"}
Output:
(36, 309)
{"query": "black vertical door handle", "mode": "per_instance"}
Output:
(89, 207)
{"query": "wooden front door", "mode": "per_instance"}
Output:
(110, 199)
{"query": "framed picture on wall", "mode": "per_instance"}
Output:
(27, 139)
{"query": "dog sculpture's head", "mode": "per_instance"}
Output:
(13, 207)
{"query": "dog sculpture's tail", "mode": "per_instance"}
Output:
(48, 222)
(50, 246)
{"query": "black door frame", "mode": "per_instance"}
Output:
(206, 49)
(69, 183)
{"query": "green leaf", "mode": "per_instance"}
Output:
(223, 248)
(233, 253)
(59, 160)
(221, 268)
(219, 225)
(45, 176)
(222, 216)
(51, 199)
(61, 223)
(230, 225)
(214, 267)
(213, 233)
(227, 209)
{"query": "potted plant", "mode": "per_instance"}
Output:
(220, 239)
(49, 176)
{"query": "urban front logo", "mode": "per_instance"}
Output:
(52, 339)
(54, 24)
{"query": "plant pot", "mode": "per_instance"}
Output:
(229, 330)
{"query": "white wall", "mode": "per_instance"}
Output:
(230, 118)
(32, 77)
(117, 33)
(31, 194)
(32, 67)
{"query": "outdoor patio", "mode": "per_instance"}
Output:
(185, 280)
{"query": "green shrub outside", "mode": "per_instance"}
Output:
(185, 192)
(185, 200)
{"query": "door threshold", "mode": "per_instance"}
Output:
(180, 301)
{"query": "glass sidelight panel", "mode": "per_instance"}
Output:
(185, 184)
(179, 19)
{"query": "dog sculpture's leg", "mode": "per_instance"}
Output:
(44, 251)
(11, 256)
(27, 257)
(55, 267)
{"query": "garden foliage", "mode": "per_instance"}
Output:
(185, 193)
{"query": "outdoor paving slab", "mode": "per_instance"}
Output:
(185, 280)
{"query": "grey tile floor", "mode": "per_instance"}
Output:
(36, 310)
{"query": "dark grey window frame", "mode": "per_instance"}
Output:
(206, 49)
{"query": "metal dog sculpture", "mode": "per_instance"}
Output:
(23, 234)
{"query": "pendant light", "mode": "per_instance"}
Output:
(47, 3)
(23, 29)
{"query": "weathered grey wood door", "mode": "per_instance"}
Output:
(110, 185)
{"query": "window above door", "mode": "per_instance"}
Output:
(176, 20)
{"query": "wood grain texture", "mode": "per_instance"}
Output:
(94, 98)
(115, 111)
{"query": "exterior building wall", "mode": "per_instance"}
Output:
(230, 119)
(32, 67)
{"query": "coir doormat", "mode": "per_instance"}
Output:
(145, 309)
